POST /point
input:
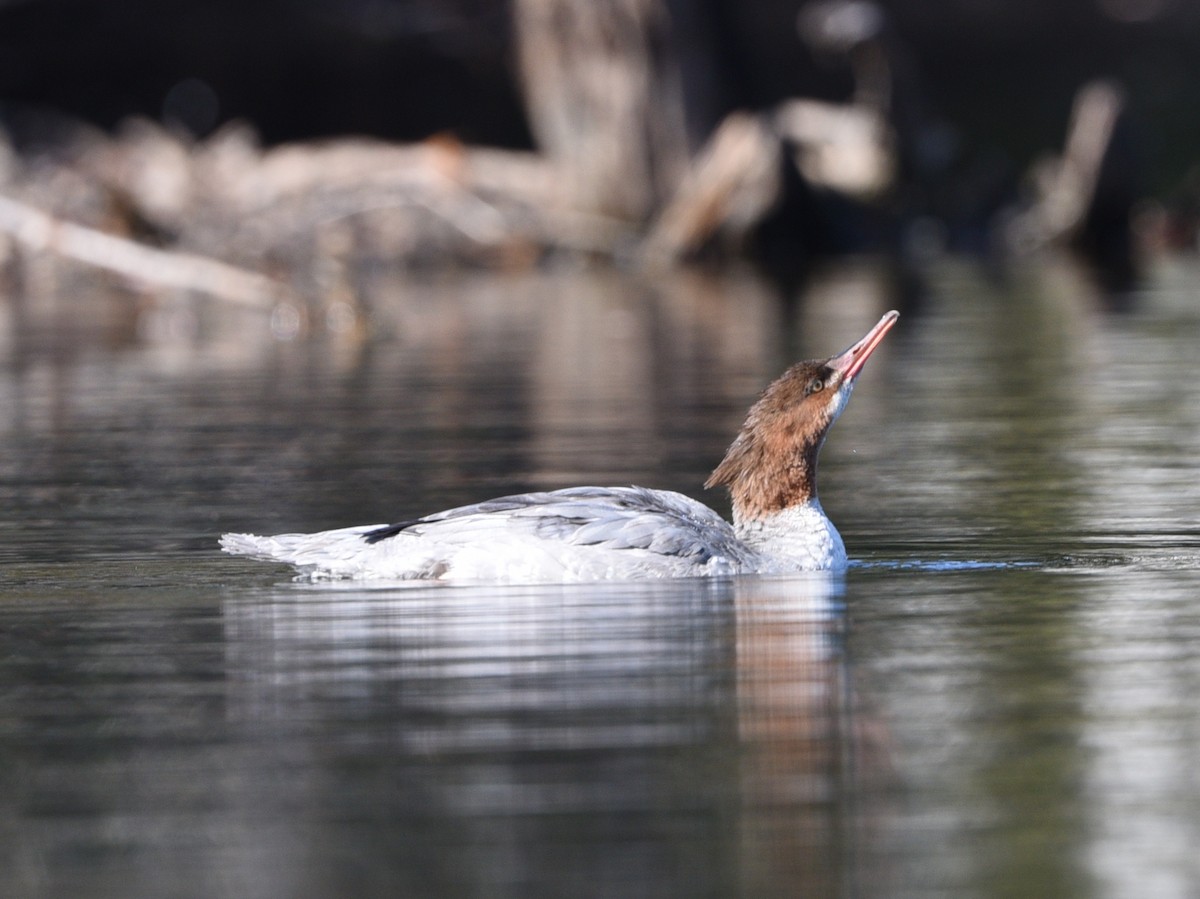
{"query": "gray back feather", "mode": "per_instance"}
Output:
(656, 521)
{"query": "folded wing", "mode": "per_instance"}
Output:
(581, 533)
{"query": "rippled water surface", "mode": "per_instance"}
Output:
(999, 699)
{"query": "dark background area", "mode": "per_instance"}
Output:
(1002, 72)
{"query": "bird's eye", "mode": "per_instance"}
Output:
(814, 385)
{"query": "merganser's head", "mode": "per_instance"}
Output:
(772, 464)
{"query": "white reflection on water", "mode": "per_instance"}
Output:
(496, 654)
(696, 707)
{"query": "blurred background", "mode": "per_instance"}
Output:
(301, 140)
(1001, 76)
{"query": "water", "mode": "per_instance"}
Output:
(999, 699)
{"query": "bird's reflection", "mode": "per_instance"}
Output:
(630, 739)
(802, 743)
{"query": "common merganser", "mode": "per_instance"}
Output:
(602, 533)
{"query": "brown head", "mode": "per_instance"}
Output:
(772, 464)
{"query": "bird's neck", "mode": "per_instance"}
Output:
(768, 483)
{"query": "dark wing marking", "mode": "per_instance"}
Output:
(390, 530)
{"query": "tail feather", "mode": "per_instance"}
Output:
(300, 549)
(243, 544)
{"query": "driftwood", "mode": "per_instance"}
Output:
(732, 184)
(486, 199)
(611, 177)
(603, 96)
(225, 210)
(735, 180)
(1065, 188)
(42, 233)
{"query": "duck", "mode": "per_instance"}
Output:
(578, 534)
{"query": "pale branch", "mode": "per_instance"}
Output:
(40, 232)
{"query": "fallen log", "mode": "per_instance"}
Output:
(733, 182)
(602, 91)
(141, 264)
(1066, 187)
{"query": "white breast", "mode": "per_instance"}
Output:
(800, 538)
